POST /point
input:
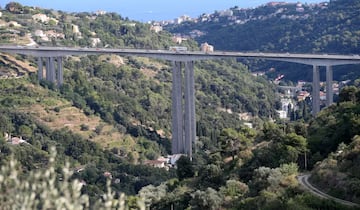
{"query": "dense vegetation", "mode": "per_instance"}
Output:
(130, 94)
(234, 166)
(339, 131)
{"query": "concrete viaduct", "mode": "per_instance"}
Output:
(183, 107)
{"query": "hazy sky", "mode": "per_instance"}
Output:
(145, 10)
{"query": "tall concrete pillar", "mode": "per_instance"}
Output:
(316, 90)
(329, 89)
(190, 126)
(47, 62)
(60, 73)
(40, 69)
(52, 70)
(177, 111)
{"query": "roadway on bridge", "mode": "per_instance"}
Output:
(311, 59)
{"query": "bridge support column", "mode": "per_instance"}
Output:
(329, 89)
(177, 111)
(316, 91)
(40, 69)
(47, 62)
(52, 75)
(60, 73)
(183, 130)
(190, 127)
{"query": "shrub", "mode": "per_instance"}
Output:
(41, 189)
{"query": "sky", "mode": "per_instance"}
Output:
(147, 10)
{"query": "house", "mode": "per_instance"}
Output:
(41, 18)
(14, 140)
(226, 13)
(156, 28)
(196, 33)
(249, 125)
(273, 4)
(100, 12)
(155, 163)
(95, 41)
(41, 34)
(246, 116)
(75, 29)
(302, 95)
(181, 19)
(173, 158)
(54, 34)
(205, 47)
(177, 39)
(282, 114)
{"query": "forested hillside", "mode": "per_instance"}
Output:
(335, 134)
(332, 27)
(112, 113)
(131, 93)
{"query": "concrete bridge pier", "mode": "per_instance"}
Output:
(47, 67)
(177, 144)
(316, 91)
(183, 120)
(60, 72)
(52, 74)
(329, 89)
(40, 69)
(190, 126)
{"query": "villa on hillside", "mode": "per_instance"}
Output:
(14, 140)
(41, 17)
(205, 47)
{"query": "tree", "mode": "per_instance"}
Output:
(25, 131)
(348, 93)
(152, 194)
(234, 189)
(185, 168)
(208, 199)
(6, 125)
(14, 7)
(231, 141)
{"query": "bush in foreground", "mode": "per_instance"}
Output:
(42, 189)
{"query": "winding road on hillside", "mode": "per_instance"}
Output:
(304, 181)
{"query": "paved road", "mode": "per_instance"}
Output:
(311, 59)
(304, 181)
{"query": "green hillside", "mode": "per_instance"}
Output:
(335, 133)
(130, 93)
(120, 104)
